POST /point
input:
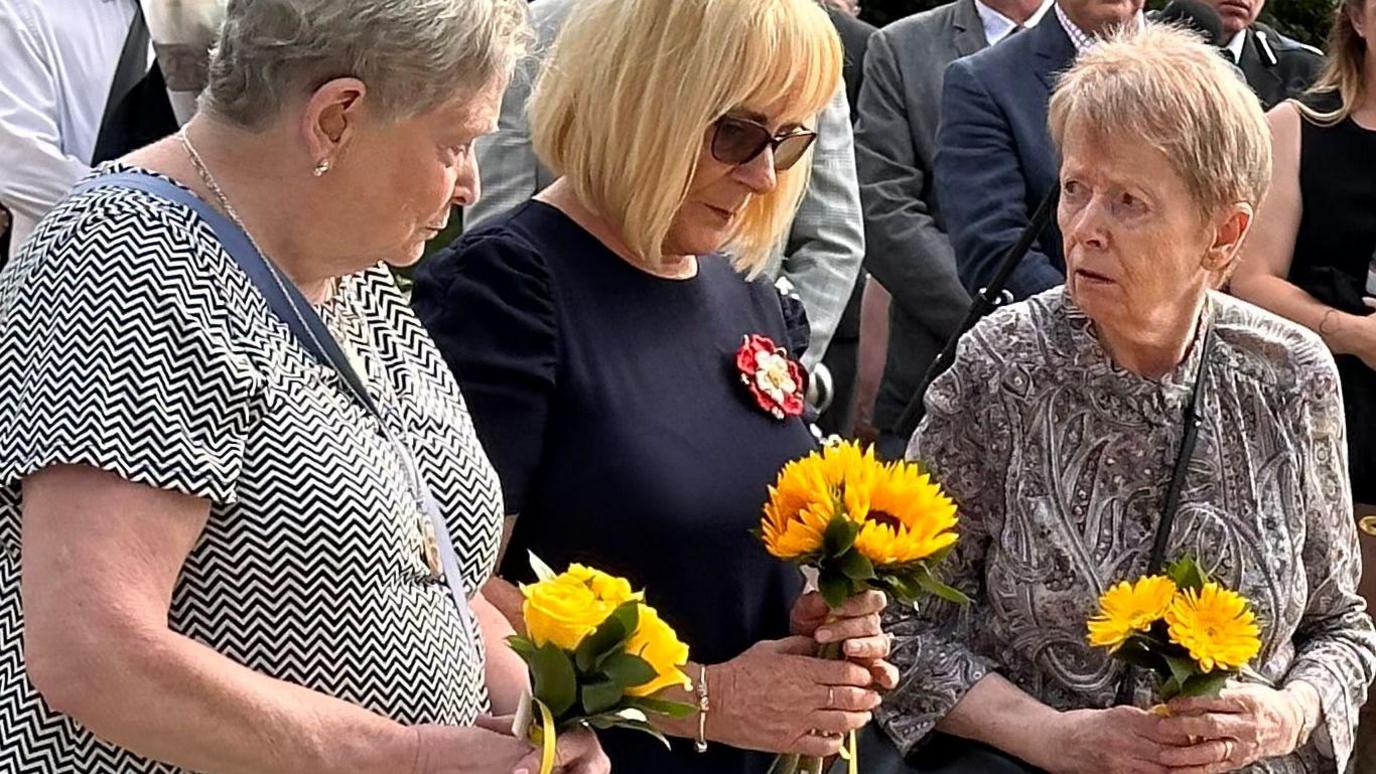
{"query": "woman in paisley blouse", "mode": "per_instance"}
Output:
(224, 561)
(1057, 428)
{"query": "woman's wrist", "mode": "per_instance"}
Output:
(1345, 333)
(1307, 704)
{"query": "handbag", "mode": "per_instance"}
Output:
(946, 754)
(287, 303)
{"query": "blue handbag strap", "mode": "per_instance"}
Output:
(284, 298)
(292, 308)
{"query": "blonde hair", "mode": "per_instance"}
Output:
(631, 88)
(1166, 87)
(1342, 73)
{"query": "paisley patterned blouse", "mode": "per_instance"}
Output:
(1060, 462)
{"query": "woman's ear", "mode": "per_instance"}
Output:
(1228, 237)
(331, 120)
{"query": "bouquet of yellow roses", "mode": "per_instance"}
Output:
(597, 654)
(1192, 633)
(860, 524)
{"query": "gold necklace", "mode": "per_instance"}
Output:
(429, 542)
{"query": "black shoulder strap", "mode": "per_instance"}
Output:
(1193, 420)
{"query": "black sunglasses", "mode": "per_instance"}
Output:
(739, 140)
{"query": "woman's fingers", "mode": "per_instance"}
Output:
(862, 604)
(884, 674)
(1181, 730)
(840, 697)
(869, 648)
(818, 746)
(838, 721)
(867, 625)
(827, 672)
(1205, 753)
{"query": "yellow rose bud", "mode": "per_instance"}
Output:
(562, 610)
(608, 588)
(657, 643)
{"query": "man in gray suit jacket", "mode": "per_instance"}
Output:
(821, 257)
(895, 142)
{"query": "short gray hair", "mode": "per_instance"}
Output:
(414, 55)
(1166, 87)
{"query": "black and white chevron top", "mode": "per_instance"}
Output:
(131, 342)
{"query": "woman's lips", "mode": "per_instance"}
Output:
(1092, 277)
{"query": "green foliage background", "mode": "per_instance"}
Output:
(1305, 20)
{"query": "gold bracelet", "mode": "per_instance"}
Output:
(704, 706)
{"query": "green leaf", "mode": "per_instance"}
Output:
(643, 728)
(1169, 689)
(856, 566)
(673, 709)
(931, 585)
(834, 587)
(601, 696)
(523, 647)
(627, 670)
(554, 681)
(606, 638)
(1205, 684)
(1187, 574)
(1182, 669)
(840, 536)
(542, 570)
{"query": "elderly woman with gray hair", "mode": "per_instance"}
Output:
(1057, 432)
(243, 511)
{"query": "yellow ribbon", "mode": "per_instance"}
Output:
(851, 754)
(547, 738)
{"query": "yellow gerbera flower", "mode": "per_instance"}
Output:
(906, 516)
(1128, 608)
(1217, 627)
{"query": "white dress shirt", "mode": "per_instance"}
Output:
(57, 60)
(997, 26)
(1235, 45)
(1083, 40)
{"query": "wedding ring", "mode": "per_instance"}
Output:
(1227, 749)
(831, 697)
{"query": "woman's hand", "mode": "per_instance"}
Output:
(855, 624)
(488, 747)
(1122, 740)
(778, 697)
(1243, 725)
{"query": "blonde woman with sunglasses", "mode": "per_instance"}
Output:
(595, 332)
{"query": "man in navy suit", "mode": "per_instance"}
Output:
(994, 158)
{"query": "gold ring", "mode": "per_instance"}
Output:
(1368, 525)
(831, 697)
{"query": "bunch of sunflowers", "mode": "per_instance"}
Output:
(1192, 633)
(598, 655)
(861, 524)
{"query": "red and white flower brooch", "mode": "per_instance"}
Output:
(772, 377)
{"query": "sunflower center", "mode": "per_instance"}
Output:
(887, 519)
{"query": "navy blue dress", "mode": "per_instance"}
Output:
(609, 401)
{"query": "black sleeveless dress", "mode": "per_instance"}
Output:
(1334, 251)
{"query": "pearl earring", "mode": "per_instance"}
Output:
(321, 168)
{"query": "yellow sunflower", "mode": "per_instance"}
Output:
(1217, 627)
(906, 516)
(1128, 608)
(810, 492)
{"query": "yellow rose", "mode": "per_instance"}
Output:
(562, 610)
(607, 588)
(656, 642)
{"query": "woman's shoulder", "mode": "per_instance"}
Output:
(520, 244)
(1279, 353)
